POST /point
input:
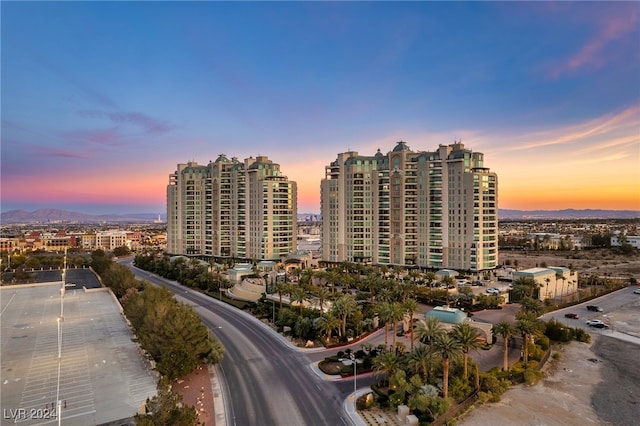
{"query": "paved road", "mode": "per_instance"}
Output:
(267, 381)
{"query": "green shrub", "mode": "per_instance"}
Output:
(532, 376)
(581, 336)
(459, 387)
(543, 342)
(493, 386)
(396, 398)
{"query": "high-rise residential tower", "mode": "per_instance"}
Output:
(436, 209)
(228, 208)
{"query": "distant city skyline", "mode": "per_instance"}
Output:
(101, 100)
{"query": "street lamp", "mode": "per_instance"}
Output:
(59, 339)
(59, 403)
(273, 315)
(355, 373)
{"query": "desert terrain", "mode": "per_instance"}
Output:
(597, 384)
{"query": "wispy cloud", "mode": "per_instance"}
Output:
(51, 151)
(106, 137)
(593, 54)
(597, 160)
(143, 121)
(628, 119)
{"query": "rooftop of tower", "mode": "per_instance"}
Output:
(401, 146)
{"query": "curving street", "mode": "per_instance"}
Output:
(265, 380)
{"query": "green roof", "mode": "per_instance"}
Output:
(447, 315)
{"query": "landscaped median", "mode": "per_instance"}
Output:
(341, 364)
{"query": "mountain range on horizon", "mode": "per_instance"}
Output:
(43, 216)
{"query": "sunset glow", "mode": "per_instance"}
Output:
(101, 100)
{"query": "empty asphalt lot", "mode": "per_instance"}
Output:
(101, 376)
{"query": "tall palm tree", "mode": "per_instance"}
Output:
(431, 277)
(332, 277)
(414, 274)
(385, 295)
(410, 306)
(428, 329)
(525, 287)
(562, 292)
(281, 288)
(467, 336)
(504, 329)
(528, 327)
(397, 314)
(327, 323)
(448, 281)
(344, 306)
(406, 289)
(449, 349)
(299, 295)
(420, 360)
(386, 362)
(532, 306)
(385, 314)
(371, 283)
(322, 294)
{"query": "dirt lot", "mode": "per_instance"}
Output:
(589, 384)
(599, 262)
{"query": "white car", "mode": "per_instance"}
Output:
(636, 291)
(594, 322)
(493, 290)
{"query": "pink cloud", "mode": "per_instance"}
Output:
(50, 151)
(107, 137)
(593, 53)
(138, 119)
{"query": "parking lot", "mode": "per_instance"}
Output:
(87, 360)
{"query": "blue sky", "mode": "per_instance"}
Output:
(101, 100)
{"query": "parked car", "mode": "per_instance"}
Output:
(477, 284)
(594, 308)
(571, 315)
(595, 323)
(636, 291)
(603, 325)
(493, 290)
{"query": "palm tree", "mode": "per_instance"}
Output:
(524, 287)
(385, 315)
(327, 323)
(386, 362)
(414, 274)
(332, 277)
(448, 281)
(410, 306)
(371, 283)
(344, 306)
(397, 314)
(420, 360)
(428, 329)
(323, 295)
(385, 295)
(299, 295)
(281, 288)
(531, 305)
(449, 349)
(467, 336)
(528, 326)
(504, 329)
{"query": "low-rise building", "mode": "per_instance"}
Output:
(554, 282)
